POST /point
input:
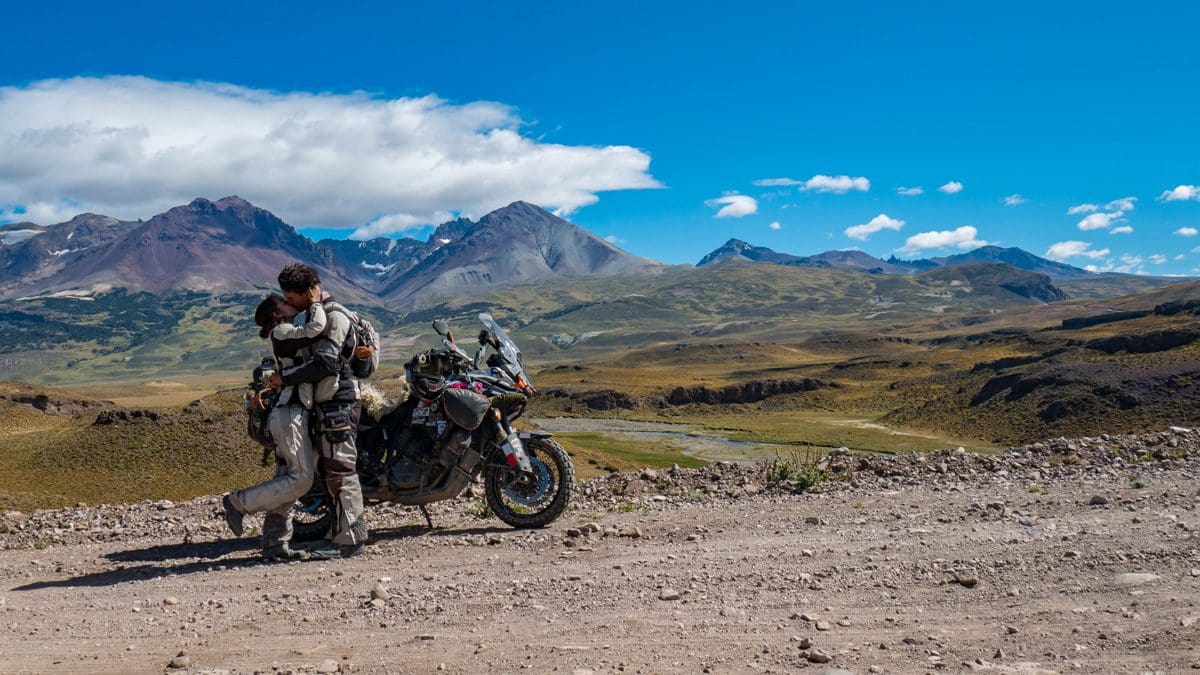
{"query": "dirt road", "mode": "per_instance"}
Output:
(1086, 568)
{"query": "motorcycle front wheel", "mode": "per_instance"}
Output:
(535, 499)
(312, 515)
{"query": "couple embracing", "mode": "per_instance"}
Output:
(314, 421)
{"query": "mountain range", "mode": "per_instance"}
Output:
(863, 262)
(232, 245)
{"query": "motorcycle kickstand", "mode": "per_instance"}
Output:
(425, 512)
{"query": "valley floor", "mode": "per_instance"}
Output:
(1086, 568)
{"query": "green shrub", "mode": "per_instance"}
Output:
(797, 465)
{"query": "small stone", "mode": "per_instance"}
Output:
(668, 594)
(813, 520)
(380, 592)
(574, 532)
(376, 603)
(180, 662)
(649, 474)
(426, 636)
(329, 666)
(1189, 621)
(1011, 630)
(824, 626)
(844, 623)
(1195, 571)
(1098, 500)
(807, 553)
(967, 581)
(806, 643)
(171, 601)
(819, 656)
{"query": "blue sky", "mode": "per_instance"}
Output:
(1064, 104)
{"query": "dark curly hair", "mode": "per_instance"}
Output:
(298, 278)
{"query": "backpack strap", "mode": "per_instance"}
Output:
(355, 323)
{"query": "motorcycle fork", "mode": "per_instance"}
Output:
(510, 442)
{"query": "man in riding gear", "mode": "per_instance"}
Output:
(336, 410)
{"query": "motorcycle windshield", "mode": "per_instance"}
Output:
(508, 348)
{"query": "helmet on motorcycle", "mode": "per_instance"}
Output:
(424, 374)
(426, 386)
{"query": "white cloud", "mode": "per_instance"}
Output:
(1158, 259)
(1124, 204)
(1187, 232)
(1180, 257)
(1014, 200)
(1113, 213)
(952, 188)
(1099, 221)
(1181, 193)
(734, 206)
(910, 191)
(836, 184)
(1130, 264)
(880, 222)
(132, 146)
(963, 238)
(614, 240)
(397, 222)
(1064, 250)
(1100, 269)
(775, 225)
(778, 182)
(1196, 250)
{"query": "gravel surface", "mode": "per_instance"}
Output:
(1067, 555)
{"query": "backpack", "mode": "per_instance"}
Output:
(362, 334)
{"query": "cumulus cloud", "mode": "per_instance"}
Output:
(880, 222)
(1158, 259)
(1123, 204)
(131, 146)
(836, 184)
(1098, 221)
(910, 191)
(1064, 250)
(1181, 193)
(1112, 214)
(964, 238)
(952, 188)
(1130, 264)
(1180, 256)
(734, 206)
(1187, 232)
(614, 240)
(1014, 200)
(775, 225)
(1123, 229)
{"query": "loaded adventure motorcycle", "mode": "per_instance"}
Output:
(455, 427)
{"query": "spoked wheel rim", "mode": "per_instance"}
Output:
(310, 508)
(528, 493)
